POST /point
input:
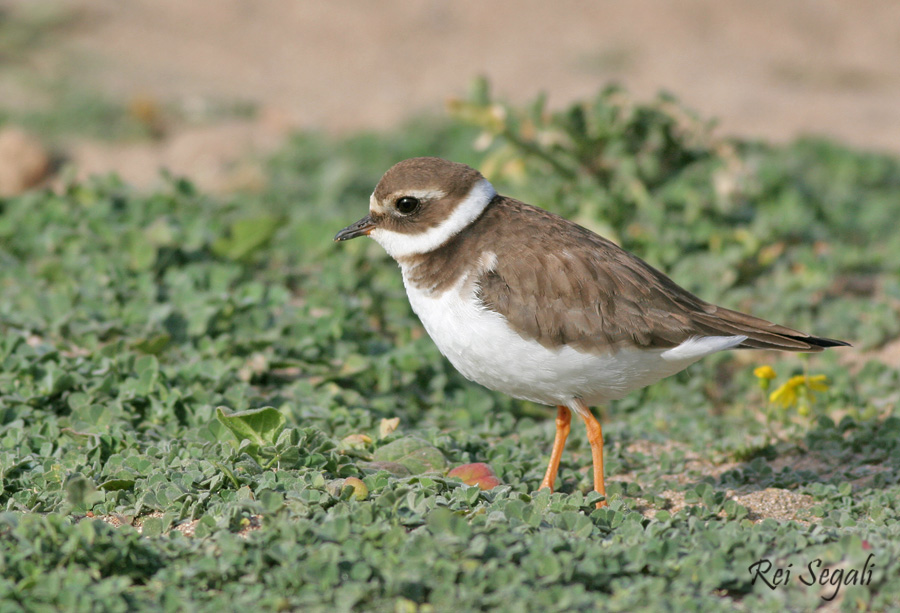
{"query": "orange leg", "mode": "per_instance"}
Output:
(563, 419)
(595, 438)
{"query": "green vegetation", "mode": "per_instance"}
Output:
(127, 320)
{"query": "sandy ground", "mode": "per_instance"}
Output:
(765, 68)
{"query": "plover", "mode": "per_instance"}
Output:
(530, 304)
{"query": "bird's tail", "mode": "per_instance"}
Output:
(762, 334)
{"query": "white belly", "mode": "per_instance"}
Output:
(481, 346)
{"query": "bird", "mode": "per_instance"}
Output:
(530, 304)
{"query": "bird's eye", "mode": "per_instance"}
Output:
(407, 204)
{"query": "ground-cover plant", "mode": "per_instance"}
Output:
(269, 413)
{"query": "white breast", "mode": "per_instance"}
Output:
(481, 345)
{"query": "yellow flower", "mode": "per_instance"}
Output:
(788, 394)
(764, 372)
(817, 383)
(764, 375)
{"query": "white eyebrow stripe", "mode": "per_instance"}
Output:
(421, 194)
(374, 205)
(400, 245)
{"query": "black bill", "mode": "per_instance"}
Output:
(360, 228)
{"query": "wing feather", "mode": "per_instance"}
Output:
(570, 286)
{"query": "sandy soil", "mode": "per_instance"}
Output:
(765, 68)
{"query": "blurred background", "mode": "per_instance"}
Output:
(205, 87)
(182, 167)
